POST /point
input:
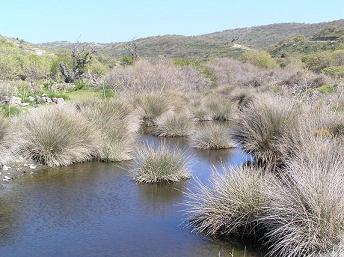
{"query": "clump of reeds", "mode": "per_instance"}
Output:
(212, 136)
(116, 128)
(160, 165)
(260, 127)
(304, 216)
(232, 203)
(56, 136)
(172, 124)
(220, 108)
(152, 105)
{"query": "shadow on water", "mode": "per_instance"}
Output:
(96, 209)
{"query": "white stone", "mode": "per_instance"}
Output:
(32, 166)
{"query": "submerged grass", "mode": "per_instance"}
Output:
(160, 165)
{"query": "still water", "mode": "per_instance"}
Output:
(95, 209)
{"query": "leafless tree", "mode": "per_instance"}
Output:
(81, 57)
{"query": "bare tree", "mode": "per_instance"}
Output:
(131, 48)
(81, 57)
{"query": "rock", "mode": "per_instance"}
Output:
(5, 168)
(24, 104)
(47, 99)
(40, 100)
(58, 100)
(14, 100)
(31, 99)
(32, 166)
(7, 178)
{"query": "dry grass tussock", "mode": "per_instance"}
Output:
(305, 215)
(172, 124)
(116, 127)
(56, 136)
(212, 136)
(219, 108)
(260, 127)
(232, 203)
(151, 106)
(8, 143)
(160, 165)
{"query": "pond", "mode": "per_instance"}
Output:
(96, 209)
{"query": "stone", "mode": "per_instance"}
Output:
(60, 100)
(32, 166)
(15, 100)
(40, 100)
(5, 168)
(31, 99)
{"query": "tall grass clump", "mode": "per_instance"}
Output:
(152, 105)
(173, 124)
(6, 140)
(116, 128)
(160, 165)
(231, 205)
(260, 127)
(212, 136)
(56, 136)
(219, 108)
(305, 214)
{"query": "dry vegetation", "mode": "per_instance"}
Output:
(290, 120)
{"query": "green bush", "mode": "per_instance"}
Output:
(261, 59)
(97, 68)
(335, 71)
(81, 84)
(10, 111)
(327, 89)
(127, 60)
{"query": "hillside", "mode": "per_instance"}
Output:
(229, 43)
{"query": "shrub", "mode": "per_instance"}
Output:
(173, 124)
(327, 89)
(155, 75)
(56, 136)
(212, 136)
(261, 59)
(335, 71)
(232, 203)
(160, 165)
(305, 215)
(260, 127)
(116, 128)
(9, 111)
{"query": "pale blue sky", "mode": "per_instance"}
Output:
(110, 21)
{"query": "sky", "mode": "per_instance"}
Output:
(112, 21)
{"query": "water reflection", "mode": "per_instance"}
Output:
(96, 209)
